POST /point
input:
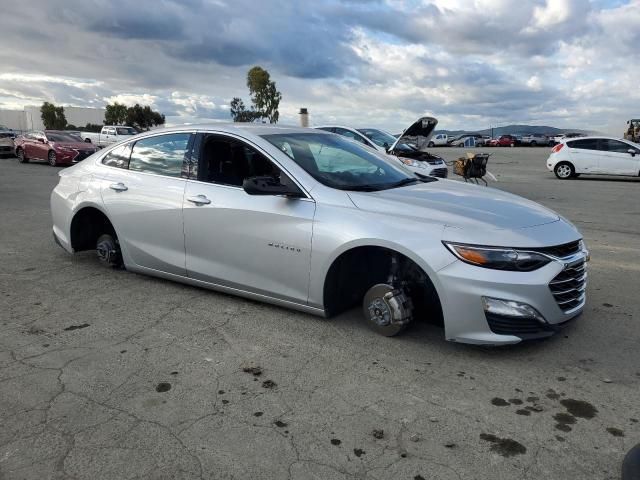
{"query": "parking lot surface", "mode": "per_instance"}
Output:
(105, 374)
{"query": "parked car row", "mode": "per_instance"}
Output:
(478, 140)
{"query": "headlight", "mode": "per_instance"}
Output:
(412, 163)
(498, 258)
(65, 149)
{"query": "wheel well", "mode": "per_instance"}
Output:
(87, 225)
(565, 162)
(358, 269)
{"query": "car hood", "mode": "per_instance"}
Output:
(458, 205)
(77, 145)
(418, 133)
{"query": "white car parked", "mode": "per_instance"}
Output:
(594, 155)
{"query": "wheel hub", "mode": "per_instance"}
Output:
(106, 252)
(388, 310)
(379, 312)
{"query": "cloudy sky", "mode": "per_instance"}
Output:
(470, 63)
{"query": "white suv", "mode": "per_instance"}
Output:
(594, 155)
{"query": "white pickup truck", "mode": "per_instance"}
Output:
(108, 135)
(439, 140)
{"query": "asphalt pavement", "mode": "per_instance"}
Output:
(106, 374)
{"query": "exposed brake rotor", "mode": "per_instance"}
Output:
(388, 310)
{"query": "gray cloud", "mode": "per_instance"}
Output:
(377, 62)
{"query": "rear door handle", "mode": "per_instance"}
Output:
(199, 200)
(118, 187)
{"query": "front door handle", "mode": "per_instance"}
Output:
(199, 200)
(118, 187)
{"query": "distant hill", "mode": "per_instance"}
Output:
(517, 130)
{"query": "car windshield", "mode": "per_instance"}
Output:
(63, 137)
(380, 138)
(340, 163)
(126, 131)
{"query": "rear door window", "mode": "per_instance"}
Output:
(586, 144)
(161, 155)
(118, 157)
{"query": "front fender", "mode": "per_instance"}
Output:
(338, 230)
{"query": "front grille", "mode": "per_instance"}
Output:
(561, 251)
(525, 328)
(515, 326)
(439, 172)
(82, 154)
(5, 148)
(568, 287)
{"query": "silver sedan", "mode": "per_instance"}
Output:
(312, 221)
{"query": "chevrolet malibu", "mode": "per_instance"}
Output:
(313, 221)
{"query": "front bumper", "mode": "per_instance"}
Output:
(463, 286)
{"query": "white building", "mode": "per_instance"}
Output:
(30, 119)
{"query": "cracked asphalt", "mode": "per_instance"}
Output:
(106, 374)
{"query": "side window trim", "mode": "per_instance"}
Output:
(128, 146)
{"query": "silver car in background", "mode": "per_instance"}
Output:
(313, 221)
(407, 148)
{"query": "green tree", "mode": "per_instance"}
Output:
(265, 98)
(115, 114)
(264, 94)
(239, 113)
(143, 118)
(92, 127)
(52, 117)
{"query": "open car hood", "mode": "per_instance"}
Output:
(418, 133)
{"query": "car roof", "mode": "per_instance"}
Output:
(595, 137)
(239, 128)
(335, 126)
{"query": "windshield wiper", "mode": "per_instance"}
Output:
(404, 181)
(425, 178)
(362, 188)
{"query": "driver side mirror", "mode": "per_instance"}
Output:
(631, 152)
(267, 185)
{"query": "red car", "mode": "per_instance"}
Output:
(56, 147)
(503, 141)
